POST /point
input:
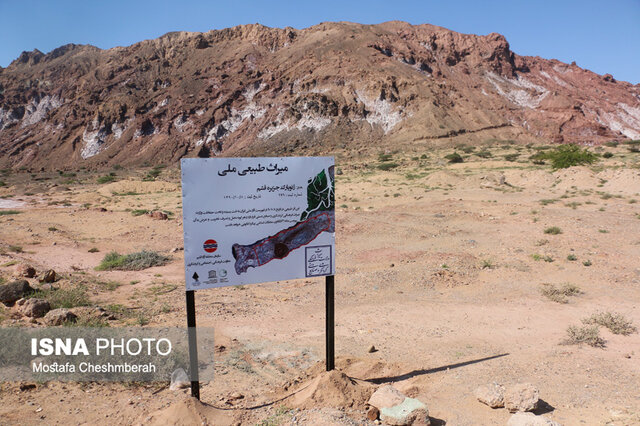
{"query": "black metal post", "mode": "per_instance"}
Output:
(193, 344)
(330, 323)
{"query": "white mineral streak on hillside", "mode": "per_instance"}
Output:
(37, 110)
(555, 78)
(308, 121)
(117, 129)
(181, 122)
(380, 112)
(93, 138)
(626, 120)
(7, 118)
(518, 90)
(237, 117)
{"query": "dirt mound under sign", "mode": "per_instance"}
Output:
(187, 412)
(331, 389)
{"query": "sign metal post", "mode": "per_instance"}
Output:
(330, 333)
(193, 344)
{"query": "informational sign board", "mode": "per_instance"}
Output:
(253, 220)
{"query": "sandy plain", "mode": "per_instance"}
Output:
(439, 265)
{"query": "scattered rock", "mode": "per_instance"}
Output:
(410, 412)
(13, 291)
(59, 316)
(179, 380)
(27, 386)
(24, 270)
(157, 215)
(373, 413)
(397, 409)
(372, 349)
(49, 276)
(521, 397)
(176, 249)
(530, 419)
(236, 396)
(386, 396)
(34, 308)
(491, 394)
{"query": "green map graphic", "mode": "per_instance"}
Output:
(320, 194)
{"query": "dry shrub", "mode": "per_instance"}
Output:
(560, 294)
(616, 323)
(589, 334)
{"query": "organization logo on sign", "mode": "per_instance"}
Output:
(210, 246)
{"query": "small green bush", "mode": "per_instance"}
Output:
(106, 179)
(566, 156)
(388, 166)
(139, 212)
(64, 297)
(511, 157)
(484, 154)
(454, 158)
(553, 230)
(572, 257)
(607, 155)
(132, 262)
(9, 212)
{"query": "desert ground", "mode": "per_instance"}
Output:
(441, 266)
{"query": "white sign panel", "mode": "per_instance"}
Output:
(252, 220)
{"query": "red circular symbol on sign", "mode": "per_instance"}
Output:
(210, 246)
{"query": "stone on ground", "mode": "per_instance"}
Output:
(491, 395)
(158, 215)
(24, 270)
(34, 308)
(397, 409)
(521, 397)
(10, 293)
(410, 412)
(49, 276)
(386, 396)
(373, 413)
(59, 316)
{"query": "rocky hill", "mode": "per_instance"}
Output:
(252, 90)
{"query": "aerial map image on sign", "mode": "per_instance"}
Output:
(250, 220)
(317, 218)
